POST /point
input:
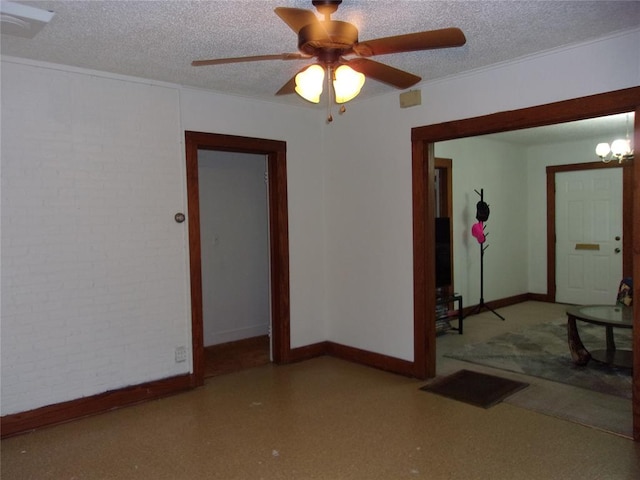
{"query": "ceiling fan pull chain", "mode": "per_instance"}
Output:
(329, 85)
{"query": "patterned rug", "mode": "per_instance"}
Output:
(542, 351)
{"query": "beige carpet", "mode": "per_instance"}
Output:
(597, 410)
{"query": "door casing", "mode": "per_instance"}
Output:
(275, 151)
(422, 154)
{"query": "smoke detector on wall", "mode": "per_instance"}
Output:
(22, 20)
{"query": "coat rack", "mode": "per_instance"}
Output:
(482, 214)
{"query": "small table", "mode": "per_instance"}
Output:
(608, 316)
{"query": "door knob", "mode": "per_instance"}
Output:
(618, 238)
(617, 250)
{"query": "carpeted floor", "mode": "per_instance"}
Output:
(542, 351)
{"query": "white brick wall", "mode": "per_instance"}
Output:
(94, 291)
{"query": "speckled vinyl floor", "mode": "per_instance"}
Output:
(319, 419)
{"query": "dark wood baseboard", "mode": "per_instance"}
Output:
(371, 359)
(308, 352)
(82, 407)
(351, 354)
(74, 409)
(541, 297)
(500, 303)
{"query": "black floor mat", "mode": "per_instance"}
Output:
(479, 389)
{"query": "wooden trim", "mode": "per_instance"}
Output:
(195, 266)
(551, 236)
(627, 233)
(634, 205)
(619, 101)
(500, 303)
(424, 282)
(279, 244)
(627, 219)
(541, 297)
(445, 166)
(23, 422)
(307, 352)
(355, 355)
(275, 151)
(423, 138)
(445, 170)
(371, 359)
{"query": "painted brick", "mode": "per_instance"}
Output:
(94, 279)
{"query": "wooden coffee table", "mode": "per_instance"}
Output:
(608, 316)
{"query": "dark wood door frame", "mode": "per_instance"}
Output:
(276, 153)
(627, 235)
(445, 171)
(422, 153)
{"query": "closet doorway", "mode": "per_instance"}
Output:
(234, 244)
(202, 237)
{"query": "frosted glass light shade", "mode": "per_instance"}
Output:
(347, 83)
(621, 147)
(309, 83)
(602, 149)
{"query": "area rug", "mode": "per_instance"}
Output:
(475, 388)
(542, 351)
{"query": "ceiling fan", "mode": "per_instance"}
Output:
(332, 41)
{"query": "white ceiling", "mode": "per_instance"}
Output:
(614, 126)
(159, 39)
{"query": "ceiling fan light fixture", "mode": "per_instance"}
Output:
(347, 83)
(309, 83)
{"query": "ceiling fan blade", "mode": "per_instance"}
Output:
(256, 58)
(296, 18)
(289, 87)
(384, 73)
(444, 38)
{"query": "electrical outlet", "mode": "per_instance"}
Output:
(181, 354)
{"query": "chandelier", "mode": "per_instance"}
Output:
(620, 149)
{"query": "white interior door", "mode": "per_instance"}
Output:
(588, 236)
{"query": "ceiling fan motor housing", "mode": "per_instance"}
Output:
(333, 35)
(326, 7)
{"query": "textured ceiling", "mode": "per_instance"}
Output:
(614, 126)
(159, 39)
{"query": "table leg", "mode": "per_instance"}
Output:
(611, 344)
(579, 354)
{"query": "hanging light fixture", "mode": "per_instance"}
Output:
(620, 149)
(309, 83)
(347, 83)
